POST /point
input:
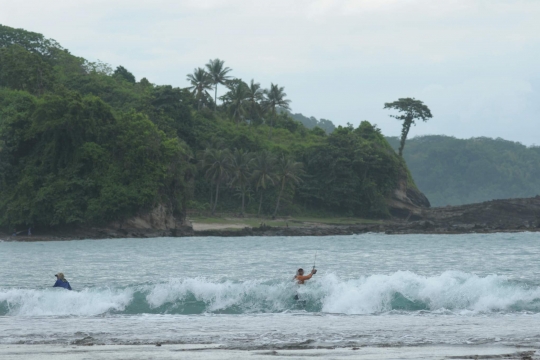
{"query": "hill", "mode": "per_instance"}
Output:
(312, 122)
(454, 171)
(83, 144)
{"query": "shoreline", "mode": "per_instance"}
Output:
(496, 216)
(192, 351)
(390, 228)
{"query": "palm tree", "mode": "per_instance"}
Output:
(275, 97)
(218, 75)
(255, 97)
(263, 173)
(287, 170)
(217, 164)
(240, 173)
(236, 98)
(200, 84)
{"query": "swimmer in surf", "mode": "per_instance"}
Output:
(61, 282)
(300, 278)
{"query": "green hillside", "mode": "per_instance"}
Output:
(81, 143)
(452, 171)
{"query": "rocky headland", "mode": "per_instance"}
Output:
(509, 215)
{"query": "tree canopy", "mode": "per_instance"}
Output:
(410, 110)
(81, 143)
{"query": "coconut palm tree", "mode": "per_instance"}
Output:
(236, 99)
(218, 75)
(287, 170)
(216, 163)
(200, 84)
(204, 155)
(240, 173)
(263, 173)
(275, 97)
(255, 98)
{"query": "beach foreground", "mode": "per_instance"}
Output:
(113, 352)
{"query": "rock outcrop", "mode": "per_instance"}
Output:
(407, 202)
(158, 222)
(495, 214)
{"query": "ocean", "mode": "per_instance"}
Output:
(374, 296)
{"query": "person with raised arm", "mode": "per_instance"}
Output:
(300, 278)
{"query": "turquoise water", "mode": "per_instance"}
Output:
(371, 289)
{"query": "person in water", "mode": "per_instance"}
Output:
(61, 282)
(300, 278)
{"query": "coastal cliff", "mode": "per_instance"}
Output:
(407, 202)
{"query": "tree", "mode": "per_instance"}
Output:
(287, 170)
(21, 69)
(218, 75)
(30, 41)
(123, 73)
(255, 97)
(170, 110)
(72, 160)
(217, 163)
(275, 97)
(263, 173)
(240, 172)
(236, 99)
(412, 110)
(200, 84)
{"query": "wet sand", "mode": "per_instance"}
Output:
(211, 352)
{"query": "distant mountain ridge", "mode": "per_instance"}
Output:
(452, 171)
(312, 122)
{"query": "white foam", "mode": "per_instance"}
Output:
(251, 295)
(453, 291)
(28, 302)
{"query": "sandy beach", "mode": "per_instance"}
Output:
(210, 352)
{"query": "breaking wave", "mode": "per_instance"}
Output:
(402, 291)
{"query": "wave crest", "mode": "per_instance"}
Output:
(401, 291)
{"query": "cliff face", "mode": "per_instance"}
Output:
(407, 202)
(157, 222)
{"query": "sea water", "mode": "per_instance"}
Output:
(371, 290)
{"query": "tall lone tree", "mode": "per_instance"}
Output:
(218, 75)
(411, 110)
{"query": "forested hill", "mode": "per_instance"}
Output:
(452, 171)
(81, 143)
(312, 122)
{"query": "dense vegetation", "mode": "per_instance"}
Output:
(312, 122)
(83, 144)
(452, 171)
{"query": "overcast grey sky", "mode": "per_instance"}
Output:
(475, 63)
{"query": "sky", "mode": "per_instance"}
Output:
(474, 63)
